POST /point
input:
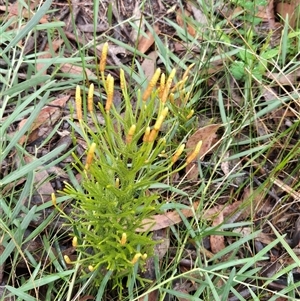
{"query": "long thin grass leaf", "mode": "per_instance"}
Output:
(31, 166)
(29, 26)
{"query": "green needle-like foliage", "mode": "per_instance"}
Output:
(126, 155)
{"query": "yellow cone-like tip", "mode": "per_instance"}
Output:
(162, 85)
(190, 114)
(168, 86)
(151, 84)
(136, 258)
(103, 59)
(67, 259)
(123, 239)
(90, 99)
(117, 183)
(130, 134)
(78, 102)
(153, 135)
(91, 268)
(195, 153)
(122, 80)
(186, 73)
(147, 134)
(161, 119)
(75, 241)
(53, 198)
(110, 93)
(178, 153)
(90, 155)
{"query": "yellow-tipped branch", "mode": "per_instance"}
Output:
(123, 239)
(190, 114)
(162, 85)
(103, 59)
(178, 153)
(67, 259)
(152, 135)
(90, 156)
(123, 81)
(161, 119)
(130, 134)
(110, 93)
(91, 98)
(195, 153)
(168, 86)
(136, 258)
(151, 84)
(75, 241)
(78, 102)
(117, 183)
(147, 134)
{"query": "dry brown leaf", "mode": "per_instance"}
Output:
(198, 14)
(180, 20)
(149, 64)
(284, 79)
(55, 46)
(146, 42)
(76, 70)
(267, 13)
(183, 286)
(171, 218)
(217, 242)
(41, 181)
(165, 220)
(14, 10)
(138, 20)
(288, 10)
(48, 115)
(151, 296)
(225, 164)
(207, 135)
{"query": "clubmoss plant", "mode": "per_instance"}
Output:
(125, 156)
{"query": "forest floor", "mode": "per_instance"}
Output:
(229, 227)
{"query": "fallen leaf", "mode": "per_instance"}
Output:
(47, 54)
(183, 287)
(171, 218)
(162, 247)
(217, 242)
(48, 115)
(207, 135)
(151, 296)
(41, 182)
(138, 20)
(198, 14)
(181, 18)
(284, 79)
(146, 42)
(76, 70)
(14, 10)
(165, 220)
(149, 64)
(266, 13)
(225, 165)
(286, 10)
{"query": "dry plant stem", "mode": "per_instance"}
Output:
(2, 266)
